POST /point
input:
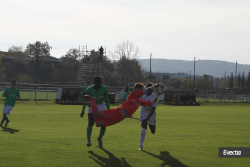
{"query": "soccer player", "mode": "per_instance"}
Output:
(147, 116)
(115, 115)
(100, 93)
(11, 95)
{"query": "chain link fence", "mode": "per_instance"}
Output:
(223, 96)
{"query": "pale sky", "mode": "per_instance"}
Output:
(176, 29)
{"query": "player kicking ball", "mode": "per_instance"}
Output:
(115, 115)
(147, 116)
(11, 95)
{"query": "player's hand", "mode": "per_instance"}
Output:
(81, 115)
(144, 123)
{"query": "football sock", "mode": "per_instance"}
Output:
(3, 120)
(93, 105)
(102, 131)
(89, 132)
(6, 118)
(143, 134)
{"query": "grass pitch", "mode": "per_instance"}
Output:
(49, 134)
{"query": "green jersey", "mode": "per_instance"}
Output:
(100, 95)
(11, 98)
(126, 95)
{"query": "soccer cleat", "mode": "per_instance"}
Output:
(100, 143)
(7, 123)
(88, 143)
(140, 148)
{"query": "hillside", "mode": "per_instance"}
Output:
(210, 67)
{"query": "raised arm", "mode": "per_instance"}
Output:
(145, 103)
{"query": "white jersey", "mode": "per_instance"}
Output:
(100, 107)
(145, 110)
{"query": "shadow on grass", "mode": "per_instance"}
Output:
(12, 131)
(167, 159)
(37, 103)
(110, 161)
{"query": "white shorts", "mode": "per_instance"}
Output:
(7, 110)
(144, 115)
(100, 107)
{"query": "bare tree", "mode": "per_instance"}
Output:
(124, 54)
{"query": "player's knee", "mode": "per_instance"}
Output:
(99, 124)
(96, 114)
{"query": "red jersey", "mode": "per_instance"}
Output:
(133, 102)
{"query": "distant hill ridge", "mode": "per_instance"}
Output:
(215, 68)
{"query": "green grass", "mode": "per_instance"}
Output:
(48, 134)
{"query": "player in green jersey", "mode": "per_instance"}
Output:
(11, 95)
(100, 93)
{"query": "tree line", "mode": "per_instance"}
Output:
(120, 67)
(32, 60)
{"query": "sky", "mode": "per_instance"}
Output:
(179, 29)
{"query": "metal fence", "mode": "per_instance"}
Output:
(43, 91)
(223, 96)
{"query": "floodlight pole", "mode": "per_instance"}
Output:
(150, 67)
(36, 72)
(194, 73)
(235, 82)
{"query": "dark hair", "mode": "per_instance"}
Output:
(138, 85)
(127, 87)
(149, 84)
(97, 79)
(13, 80)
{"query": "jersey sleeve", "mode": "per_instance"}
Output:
(4, 93)
(107, 102)
(18, 94)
